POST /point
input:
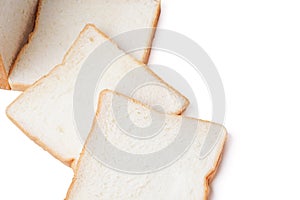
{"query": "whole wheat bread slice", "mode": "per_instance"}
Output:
(45, 110)
(16, 23)
(101, 174)
(59, 22)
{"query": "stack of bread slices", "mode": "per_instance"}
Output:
(43, 54)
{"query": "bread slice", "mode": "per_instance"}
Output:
(45, 111)
(16, 23)
(106, 177)
(59, 22)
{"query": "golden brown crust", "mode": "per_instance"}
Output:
(210, 176)
(18, 86)
(3, 76)
(76, 167)
(146, 56)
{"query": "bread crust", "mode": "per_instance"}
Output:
(154, 26)
(19, 87)
(36, 140)
(23, 87)
(208, 178)
(76, 167)
(186, 103)
(3, 76)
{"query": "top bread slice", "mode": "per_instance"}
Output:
(45, 110)
(16, 23)
(59, 22)
(103, 174)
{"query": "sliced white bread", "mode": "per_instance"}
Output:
(59, 22)
(16, 23)
(45, 110)
(186, 178)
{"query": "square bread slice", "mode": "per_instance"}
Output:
(16, 23)
(45, 110)
(114, 164)
(59, 22)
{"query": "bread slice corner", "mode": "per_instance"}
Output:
(3, 76)
(36, 140)
(16, 24)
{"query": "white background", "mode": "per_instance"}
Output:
(256, 48)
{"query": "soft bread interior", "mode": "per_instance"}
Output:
(59, 22)
(187, 177)
(16, 23)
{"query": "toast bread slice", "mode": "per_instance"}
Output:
(59, 22)
(16, 23)
(45, 113)
(100, 174)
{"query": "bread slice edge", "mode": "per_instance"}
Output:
(23, 87)
(20, 87)
(35, 139)
(178, 112)
(69, 162)
(3, 76)
(147, 52)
